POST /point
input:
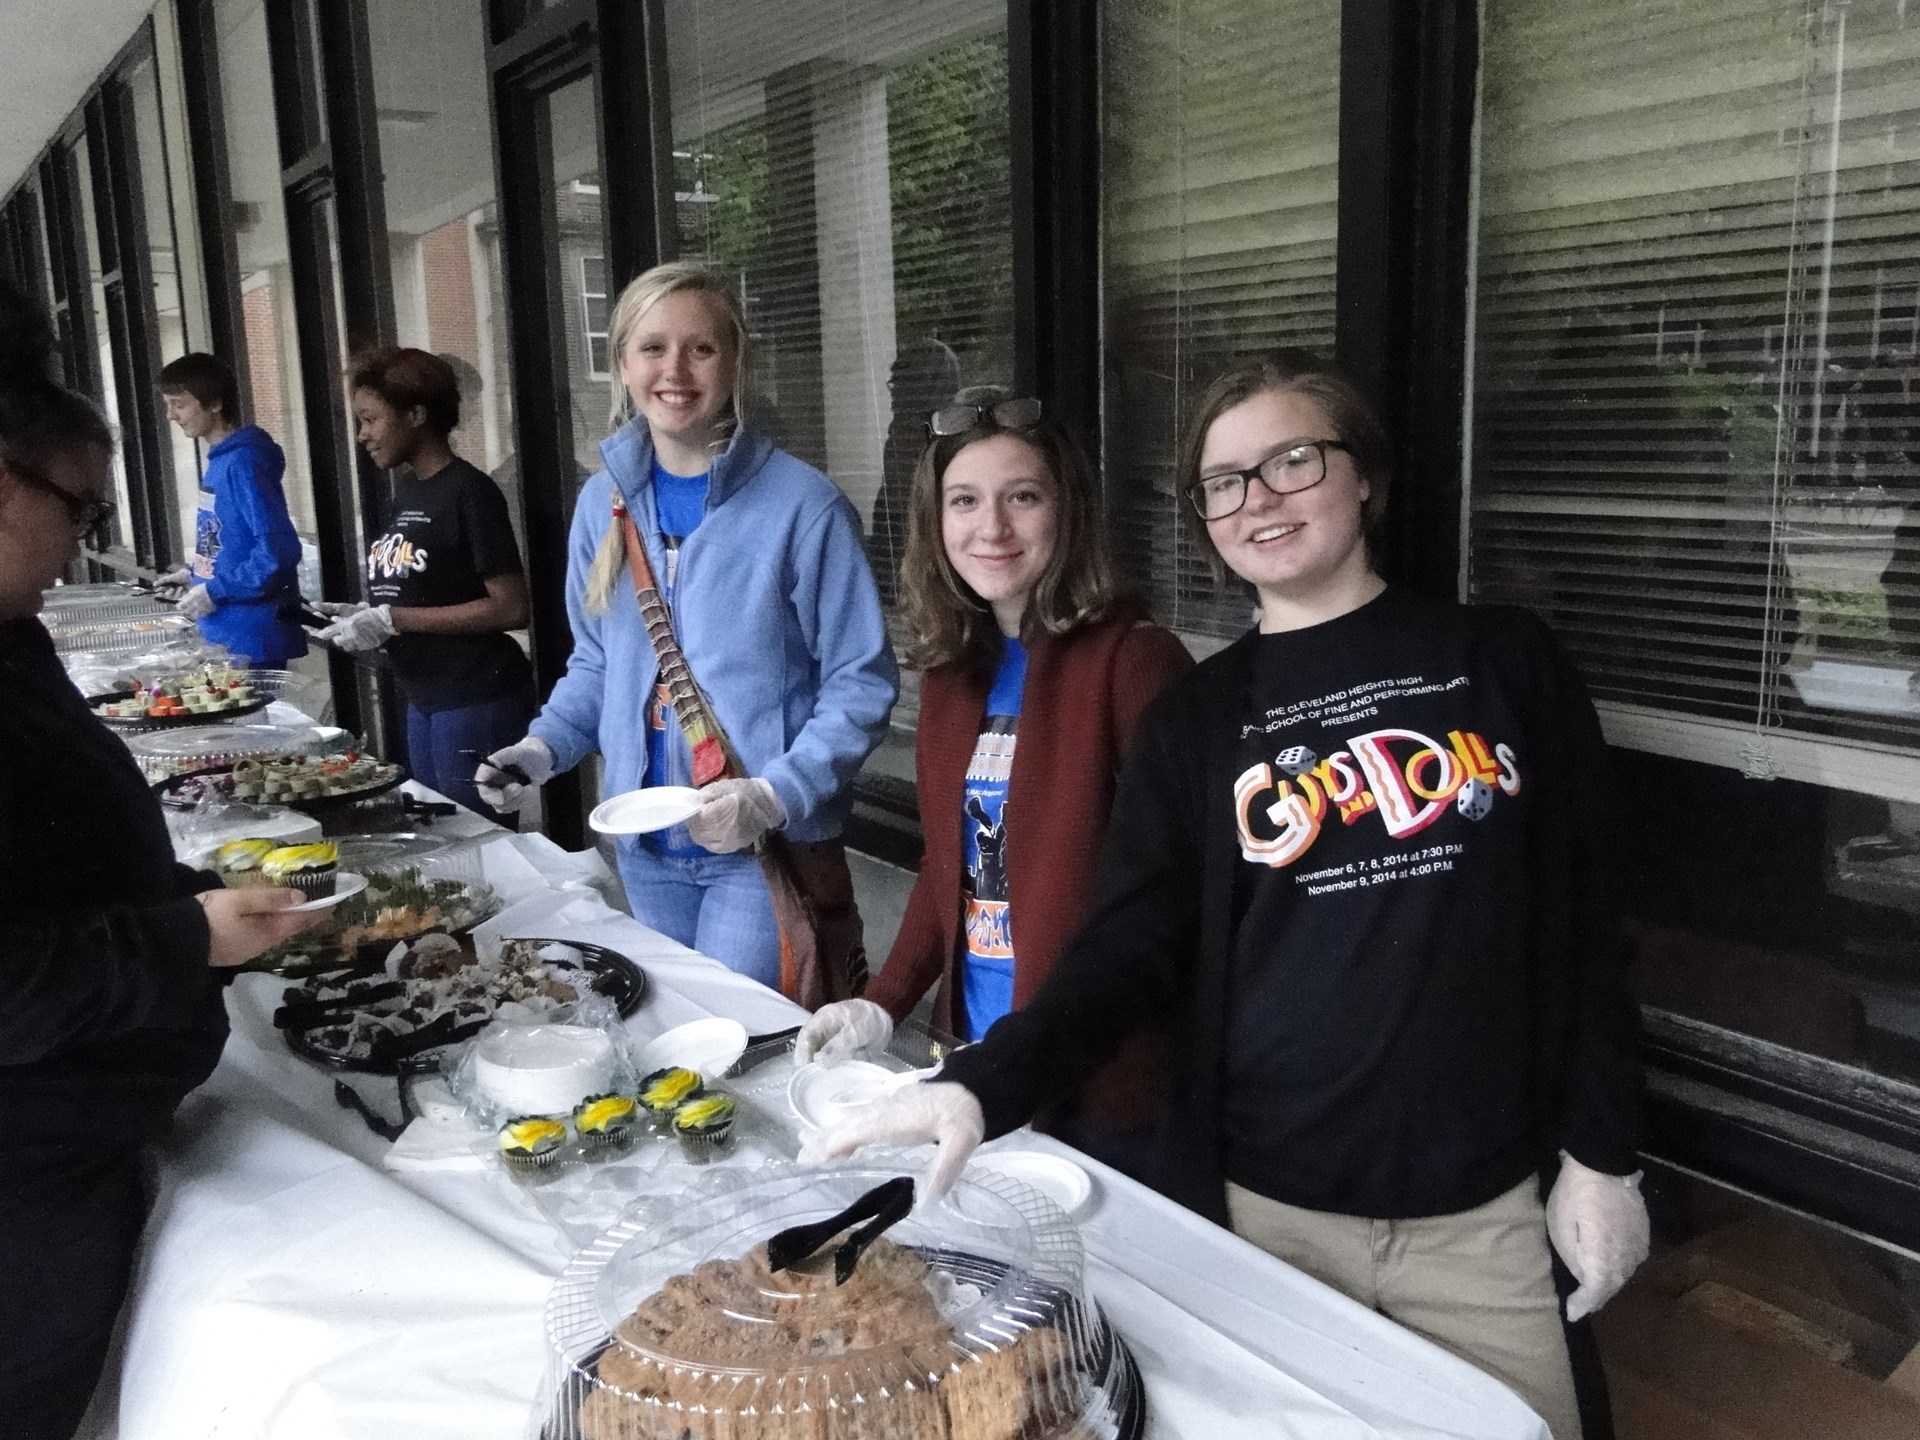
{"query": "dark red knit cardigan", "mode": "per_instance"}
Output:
(1084, 695)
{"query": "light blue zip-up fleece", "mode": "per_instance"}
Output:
(776, 610)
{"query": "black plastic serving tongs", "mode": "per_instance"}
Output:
(881, 1207)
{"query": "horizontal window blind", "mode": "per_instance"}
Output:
(851, 165)
(1695, 369)
(1219, 166)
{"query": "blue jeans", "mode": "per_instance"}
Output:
(717, 904)
(445, 747)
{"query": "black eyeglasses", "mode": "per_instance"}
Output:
(82, 514)
(1007, 414)
(1300, 466)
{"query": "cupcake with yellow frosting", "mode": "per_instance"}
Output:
(238, 863)
(606, 1124)
(704, 1125)
(313, 870)
(662, 1092)
(530, 1142)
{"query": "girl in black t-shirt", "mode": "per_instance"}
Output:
(444, 578)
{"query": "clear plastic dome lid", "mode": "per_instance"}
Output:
(967, 1322)
(224, 742)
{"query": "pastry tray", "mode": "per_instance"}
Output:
(615, 976)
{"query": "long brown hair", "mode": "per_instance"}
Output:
(951, 624)
(1300, 372)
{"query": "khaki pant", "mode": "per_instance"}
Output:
(1479, 1283)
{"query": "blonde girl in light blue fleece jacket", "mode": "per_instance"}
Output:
(773, 603)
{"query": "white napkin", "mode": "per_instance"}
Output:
(436, 1145)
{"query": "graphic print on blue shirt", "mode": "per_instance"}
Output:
(987, 972)
(680, 502)
(206, 537)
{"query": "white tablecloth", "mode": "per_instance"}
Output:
(293, 1288)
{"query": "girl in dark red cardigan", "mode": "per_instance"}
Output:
(1035, 671)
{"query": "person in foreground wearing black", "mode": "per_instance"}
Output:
(445, 579)
(110, 1001)
(1358, 854)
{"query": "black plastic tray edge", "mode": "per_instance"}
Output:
(608, 961)
(133, 725)
(309, 805)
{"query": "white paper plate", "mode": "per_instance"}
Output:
(657, 807)
(708, 1046)
(1061, 1181)
(346, 885)
(823, 1095)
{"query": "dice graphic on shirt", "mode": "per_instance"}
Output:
(1296, 760)
(1474, 800)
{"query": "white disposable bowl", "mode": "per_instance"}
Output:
(542, 1069)
(708, 1046)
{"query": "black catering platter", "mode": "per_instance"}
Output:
(614, 976)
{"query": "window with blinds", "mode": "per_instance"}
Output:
(1219, 168)
(1697, 357)
(850, 164)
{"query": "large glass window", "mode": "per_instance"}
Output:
(1219, 166)
(436, 154)
(1694, 450)
(117, 533)
(579, 224)
(850, 165)
(272, 359)
(167, 200)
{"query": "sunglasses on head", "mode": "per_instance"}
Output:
(1004, 414)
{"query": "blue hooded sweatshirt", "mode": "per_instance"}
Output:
(776, 611)
(246, 551)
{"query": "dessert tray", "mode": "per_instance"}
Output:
(437, 992)
(766, 1303)
(397, 905)
(314, 784)
(209, 694)
(171, 753)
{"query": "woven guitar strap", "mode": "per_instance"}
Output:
(808, 975)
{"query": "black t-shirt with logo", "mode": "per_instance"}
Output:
(446, 536)
(1382, 1025)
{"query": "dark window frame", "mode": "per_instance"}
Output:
(605, 41)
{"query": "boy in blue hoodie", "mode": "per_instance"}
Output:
(242, 586)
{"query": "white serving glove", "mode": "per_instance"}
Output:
(934, 1110)
(337, 608)
(1599, 1225)
(173, 584)
(196, 604)
(365, 629)
(733, 814)
(499, 789)
(835, 1031)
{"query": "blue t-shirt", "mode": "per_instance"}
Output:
(680, 501)
(987, 965)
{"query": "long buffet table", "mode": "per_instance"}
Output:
(294, 1285)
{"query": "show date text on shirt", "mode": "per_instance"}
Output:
(1408, 778)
